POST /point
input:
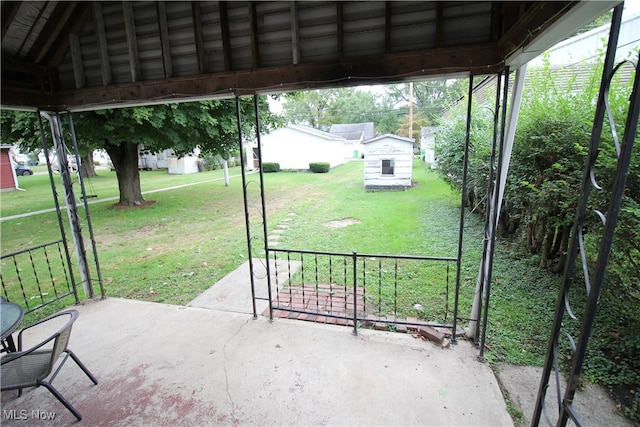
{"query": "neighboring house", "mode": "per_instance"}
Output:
(8, 179)
(167, 159)
(388, 162)
(355, 134)
(294, 147)
(427, 145)
(571, 61)
(182, 165)
(153, 161)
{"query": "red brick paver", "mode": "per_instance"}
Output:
(334, 305)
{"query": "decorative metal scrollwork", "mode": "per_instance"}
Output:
(593, 278)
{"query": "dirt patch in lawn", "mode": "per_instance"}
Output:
(341, 223)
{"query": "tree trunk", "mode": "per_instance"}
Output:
(87, 168)
(124, 158)
(564, 247)
(545, 249)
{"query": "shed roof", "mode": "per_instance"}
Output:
(392, 136)
(89, 55)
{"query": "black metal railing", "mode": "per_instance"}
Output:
(37, 276)
(352, 289)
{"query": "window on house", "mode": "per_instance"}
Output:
(387, 167)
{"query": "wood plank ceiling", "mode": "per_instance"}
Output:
(85, 55)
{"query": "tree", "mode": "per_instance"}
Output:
(22, 128)
(449, 151)
(419, 121)
(322, 108)
(430, 97)
(209, 125)
(309, 108)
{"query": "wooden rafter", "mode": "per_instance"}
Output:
(132, 40)
(76, 60)
(50, 33)
(253, 29)
(197, 35)
(387, 27)
(340, 30)
(103, 49)
(438, 40)
(9, 12)
(224, 30)
(165, 45)
(74, 25)
(295, 37)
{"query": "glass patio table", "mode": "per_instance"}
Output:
(10, 318)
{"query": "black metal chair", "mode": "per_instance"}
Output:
(31, 367)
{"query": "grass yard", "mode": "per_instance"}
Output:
(194, 234)
(174, 249)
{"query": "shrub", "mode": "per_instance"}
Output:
(319, 167)
(270, 167)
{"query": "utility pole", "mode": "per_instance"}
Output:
(410, 109)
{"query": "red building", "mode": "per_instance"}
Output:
(8, 179)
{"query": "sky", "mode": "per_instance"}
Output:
(631, 6)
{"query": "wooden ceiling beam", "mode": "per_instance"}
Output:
(387, 27)
(201, 57)
(77, 19)
(253, 30)
(165, 45)
(370, 70)
(132, 40)
(51, 31)
(9, 12)
(340, 30)
(103, 48)
(224, 32)
(295, 34)
(530, 23)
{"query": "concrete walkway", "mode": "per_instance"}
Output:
(171, 365)
(233, 292)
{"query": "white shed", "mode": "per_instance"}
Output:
(388, 162)
(294, 147)
(428, 144)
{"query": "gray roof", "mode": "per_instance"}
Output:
(316, 132)
(353, 131)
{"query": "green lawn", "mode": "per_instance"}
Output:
(174, 249)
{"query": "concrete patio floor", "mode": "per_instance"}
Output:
(161, 364)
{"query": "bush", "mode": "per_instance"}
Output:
(320, 167)
(270, 167)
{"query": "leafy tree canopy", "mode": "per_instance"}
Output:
(210, 125)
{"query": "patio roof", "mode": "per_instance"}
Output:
(161, 364)
(88, 55)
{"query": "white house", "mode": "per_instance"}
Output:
(294, 147)
(167, 159)
(388, 162)
(355, 134)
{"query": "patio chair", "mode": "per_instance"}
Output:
(31, 367)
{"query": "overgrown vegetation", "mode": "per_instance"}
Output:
(542, 193)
